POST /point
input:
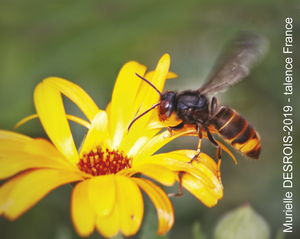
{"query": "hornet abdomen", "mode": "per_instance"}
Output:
(235, 129)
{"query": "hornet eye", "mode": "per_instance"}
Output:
(164, 106)
(164, 110)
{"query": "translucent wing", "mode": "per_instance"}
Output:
(235, 63)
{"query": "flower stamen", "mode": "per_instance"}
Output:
(103, 162)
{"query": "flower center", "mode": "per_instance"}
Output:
(103, 162)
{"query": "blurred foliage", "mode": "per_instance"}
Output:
(88, 41)
(197, 231)
(242, 223)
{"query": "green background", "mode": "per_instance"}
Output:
(87, 42)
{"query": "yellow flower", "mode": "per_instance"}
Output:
(107, 196)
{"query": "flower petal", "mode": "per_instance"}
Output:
(206, 195)
(26, 119)
(83, 215)
(18, 194)
(50, 108)
(145, 89)
(15, 137)
(158, 80)
(69, 117)
(137, 140)
(131, 205)
(134, 142)
(109, 226)
(198, 179)
(178, 163)
(102, 194)
(95, 133)
(106, 141)
(161, 202)
(37, 153)
(149, 98)
(76, 94)
(157, 142)
(170, 75)
(144, 149)
(203, 159)
(124, 93)
(43, 148)
(157, 172)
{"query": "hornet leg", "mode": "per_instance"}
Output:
(199, 129)
(219, 154)
(180, 175)
(176, 127)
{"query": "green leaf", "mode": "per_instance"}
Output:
(242, 223)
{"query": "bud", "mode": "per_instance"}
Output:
(242, 223)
